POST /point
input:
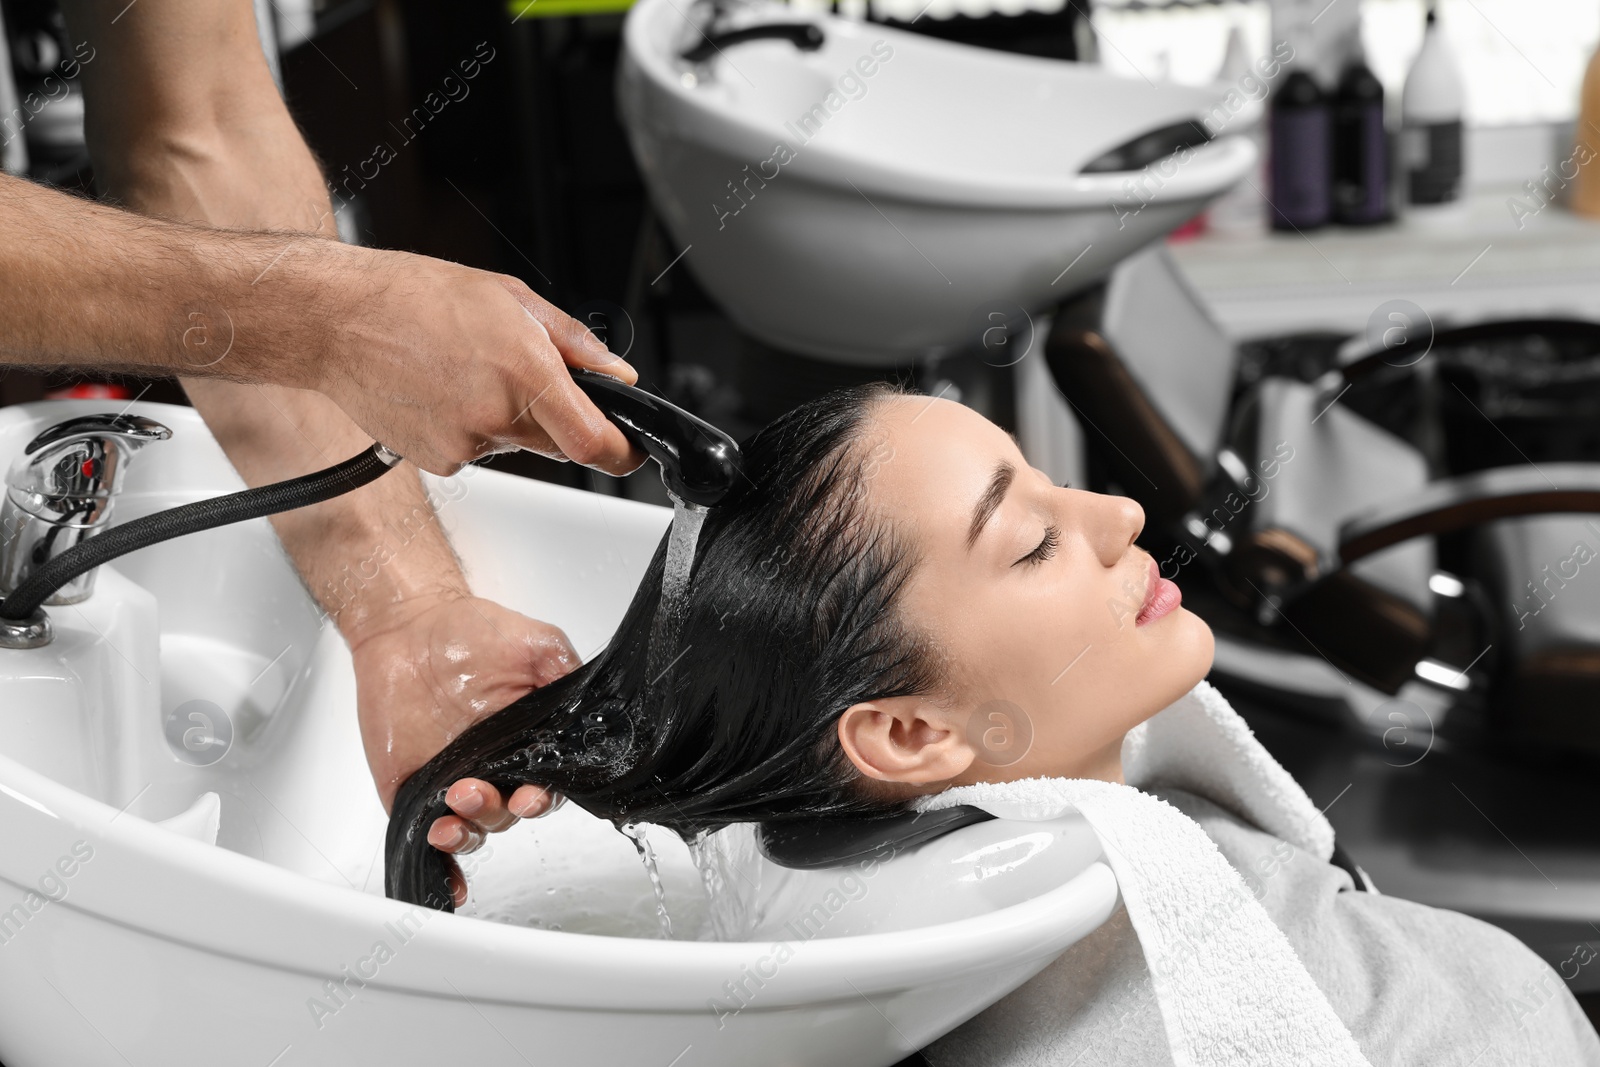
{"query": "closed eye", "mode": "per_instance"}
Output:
(1045, 549)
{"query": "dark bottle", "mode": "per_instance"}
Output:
(1360, 149)
(1301, 131)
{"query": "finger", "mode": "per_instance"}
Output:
(532, 801)
(480, 804)
(455, 835)
(578, 345)
(579, 429)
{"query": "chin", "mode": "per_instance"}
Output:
(1180, 659)
(1200, 644)
(1188, 646)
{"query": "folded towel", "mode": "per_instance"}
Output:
(1230, 987)
(1200, 744)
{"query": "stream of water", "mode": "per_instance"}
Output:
(647, 855)
(663, 653)
(673, 605)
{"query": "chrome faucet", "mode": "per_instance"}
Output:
(60, 492)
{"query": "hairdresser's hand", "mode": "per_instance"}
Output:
(443, 363)
(438, 666)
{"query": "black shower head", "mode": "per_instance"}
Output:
(699, 463)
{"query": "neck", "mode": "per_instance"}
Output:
(1105, 765)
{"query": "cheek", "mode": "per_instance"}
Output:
(1083, 608)
(1029, 614)
(1032, 641)
(1029, 628)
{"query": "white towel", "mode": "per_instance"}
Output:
(1231, 989)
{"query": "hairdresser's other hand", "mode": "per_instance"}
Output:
(444, 364)
(438, 666)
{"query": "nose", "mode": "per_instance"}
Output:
(1117, 522)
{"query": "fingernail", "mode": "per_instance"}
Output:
(452, 840)
(470, 804)
(528, 808)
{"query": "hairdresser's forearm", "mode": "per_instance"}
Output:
(87, 285)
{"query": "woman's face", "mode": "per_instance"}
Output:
(1048, 614)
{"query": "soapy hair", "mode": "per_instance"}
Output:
(790, 619)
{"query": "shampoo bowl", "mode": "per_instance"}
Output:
(878, 197)
(200, 666)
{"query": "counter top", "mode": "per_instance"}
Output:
(1484, 260)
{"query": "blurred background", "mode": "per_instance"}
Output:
(530, 173)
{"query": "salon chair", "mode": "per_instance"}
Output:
(1347, 512)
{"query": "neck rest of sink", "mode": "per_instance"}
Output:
(848, 876)
(816, 844)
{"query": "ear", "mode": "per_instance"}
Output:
(904, 739)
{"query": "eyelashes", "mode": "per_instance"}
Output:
(1045, 549)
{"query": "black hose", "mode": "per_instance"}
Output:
(192, 518)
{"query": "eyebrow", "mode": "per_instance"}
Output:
(989, 502)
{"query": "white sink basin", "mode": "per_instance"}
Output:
(132, 942)
(880, 217)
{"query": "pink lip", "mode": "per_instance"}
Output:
(1161, 597)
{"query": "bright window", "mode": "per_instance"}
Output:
(1178, 43)
(1522, 60)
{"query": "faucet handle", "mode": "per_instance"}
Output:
(80, 460)
(59, 492)
(806, 36)
(134, 427)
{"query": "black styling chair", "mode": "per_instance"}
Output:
(1360, 507)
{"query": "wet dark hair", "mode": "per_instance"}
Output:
(790, 619)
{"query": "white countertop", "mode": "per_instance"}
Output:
(1475, 265)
